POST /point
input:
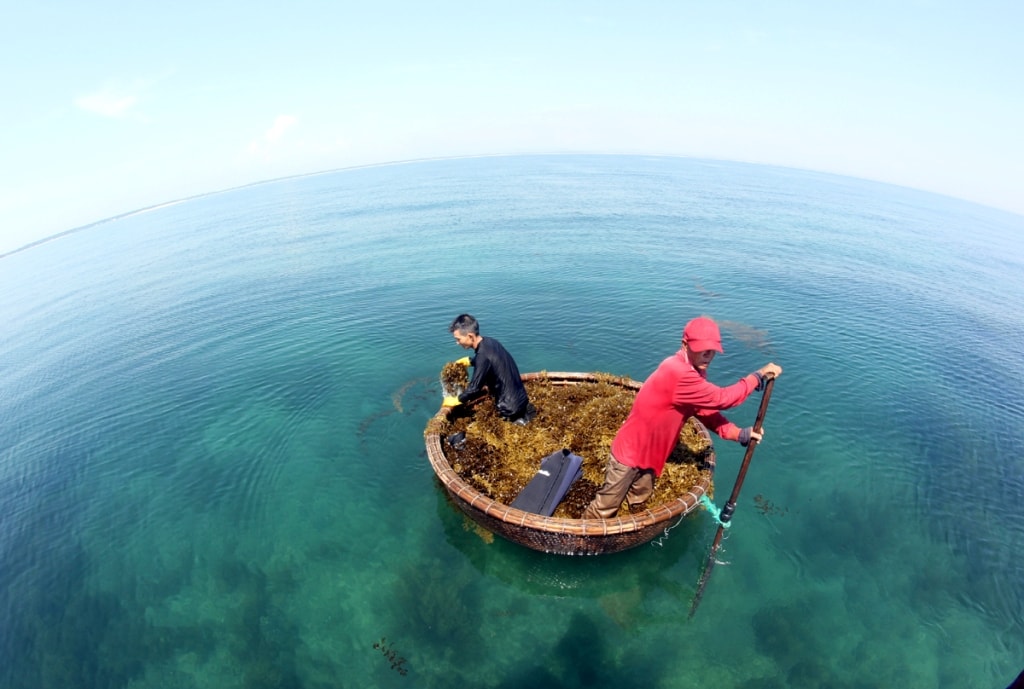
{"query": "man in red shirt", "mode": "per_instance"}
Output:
(677, 390)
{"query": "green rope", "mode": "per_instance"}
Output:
(715, 512)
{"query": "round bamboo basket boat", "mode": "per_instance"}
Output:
(563, 536)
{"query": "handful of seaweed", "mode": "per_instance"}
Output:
(454, 379)
(499, 458)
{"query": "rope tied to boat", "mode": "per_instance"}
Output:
(706, 503)
(660, 542)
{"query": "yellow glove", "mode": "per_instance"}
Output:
(464, 361)
(451, 402)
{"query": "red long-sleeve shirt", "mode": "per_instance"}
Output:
(672, 394)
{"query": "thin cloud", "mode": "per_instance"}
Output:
(281, 125)
(107, 102)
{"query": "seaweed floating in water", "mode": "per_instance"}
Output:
(766, 506)
(498, 458)
(397, 661)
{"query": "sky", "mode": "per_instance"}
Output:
(109, 107)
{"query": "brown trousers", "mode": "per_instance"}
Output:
(620, 482)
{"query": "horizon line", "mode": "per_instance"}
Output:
(408, 161)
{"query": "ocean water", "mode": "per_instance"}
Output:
(212, 470)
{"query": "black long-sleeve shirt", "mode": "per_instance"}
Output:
(495, 368)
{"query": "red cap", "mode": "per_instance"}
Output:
(702, 334)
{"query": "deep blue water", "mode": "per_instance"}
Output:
(212, 470)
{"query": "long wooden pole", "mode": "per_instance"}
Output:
(730, 506)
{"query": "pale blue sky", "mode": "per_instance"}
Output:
(113, 106)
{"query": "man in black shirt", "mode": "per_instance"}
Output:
(493, 368)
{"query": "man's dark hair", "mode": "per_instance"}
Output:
(465, 324)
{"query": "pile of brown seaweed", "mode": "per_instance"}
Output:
(499, 458)
(454, 379)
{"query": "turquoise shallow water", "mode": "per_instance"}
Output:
(212, 470)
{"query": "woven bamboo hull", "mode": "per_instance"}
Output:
(558, 535)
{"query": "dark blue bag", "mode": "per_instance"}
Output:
(558, 471)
